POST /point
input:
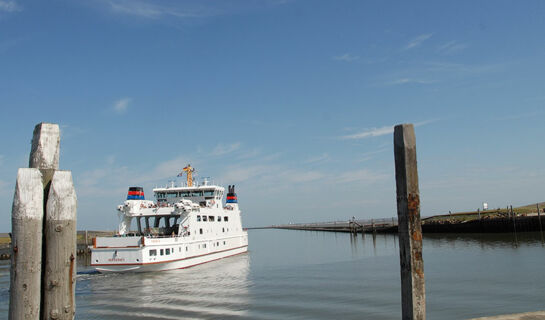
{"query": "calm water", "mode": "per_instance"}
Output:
(314, 275)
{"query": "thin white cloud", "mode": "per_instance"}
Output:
(402, 81)
(376, 132)
(184, 10)
(223, 149)
(315, 159)
(240, 174)
(347, 57)
(250, 154)
(9, 6)
(121, 105)
(360, 176)
(416, 42)
(150, 10)
(451, 47)
(302, 176)
(370, 155)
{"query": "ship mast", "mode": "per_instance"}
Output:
(189, 171)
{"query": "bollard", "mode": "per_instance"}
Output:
(26, 244)
(413, 296)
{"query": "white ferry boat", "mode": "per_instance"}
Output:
(186, 226)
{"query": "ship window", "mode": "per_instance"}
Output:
(196, 194)
(204, 218)
(198, 218)
(211, 218)
(185, 194)
(153, 252)
(167, 251)
(219, 218)
(225, 219)
(161, 252)
(179, 249)
(200, 231)
(208, 193)
(204, 245)
(223, 242)
(186, 249)
(172, 195)
(222, 229)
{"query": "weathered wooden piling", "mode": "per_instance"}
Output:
(26, 243)
(60, 249)
(413, 297)
(45, 146)
(52, 239)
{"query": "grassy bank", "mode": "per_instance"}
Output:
(485, 214)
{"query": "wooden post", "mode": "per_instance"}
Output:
(26, 244)
(539, 219)
(60, 252)
(45, 146)
(43, 252)
(514, 224)
(413, 296)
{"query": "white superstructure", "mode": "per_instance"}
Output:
(185, 226)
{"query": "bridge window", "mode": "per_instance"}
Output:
(196, 194)
(185, 194)
(153, 252)
(172, 195)
(208, 193)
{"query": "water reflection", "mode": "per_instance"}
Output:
(211, 290)
(321, 275)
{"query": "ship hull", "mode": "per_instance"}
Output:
(170, 265)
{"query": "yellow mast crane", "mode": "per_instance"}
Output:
(189, 171)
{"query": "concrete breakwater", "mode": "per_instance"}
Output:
(482, 225)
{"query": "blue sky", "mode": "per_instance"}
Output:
(292, 101)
